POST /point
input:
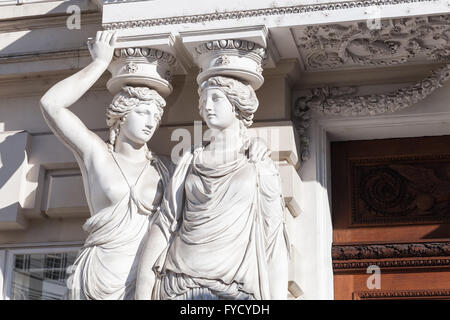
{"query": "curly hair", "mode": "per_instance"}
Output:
(123, 102)
(241, 96)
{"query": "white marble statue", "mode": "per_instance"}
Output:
(123, 180)
(220, 233)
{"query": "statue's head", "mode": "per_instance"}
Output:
(134, 112)
(224, 100)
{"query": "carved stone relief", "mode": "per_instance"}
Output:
(235, 58)
(392, 250)
(354, 44)
(407, 189)
(390, 255)
(192, 259)
(126, 180)
(141, 66)
(343, 101)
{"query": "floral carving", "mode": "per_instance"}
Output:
(168, 76)
(326, 103)
(391, 255)
(221, 61)
(398, 41)
(410, 189)
(394, 250)
(131, 67)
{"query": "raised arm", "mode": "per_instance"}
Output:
(65, 124)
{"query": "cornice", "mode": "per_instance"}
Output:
(280, 11)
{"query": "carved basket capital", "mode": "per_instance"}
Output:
(236, 58)
(141, 66)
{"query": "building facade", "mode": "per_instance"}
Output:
(354, 107)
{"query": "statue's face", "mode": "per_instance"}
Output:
(140, 123)
(216, 109)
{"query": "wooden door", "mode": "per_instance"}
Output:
(391, 210)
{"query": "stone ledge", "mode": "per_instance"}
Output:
(42, 9)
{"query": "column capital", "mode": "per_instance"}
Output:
(239, 53)
(237, 58)
(141, 66)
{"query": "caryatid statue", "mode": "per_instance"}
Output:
(221, 233)
(123, 180)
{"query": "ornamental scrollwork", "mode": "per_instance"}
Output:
(343, 101)
(396, 41)
(392, 250)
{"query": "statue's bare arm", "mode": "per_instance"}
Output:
(154, 246)
(54, 104)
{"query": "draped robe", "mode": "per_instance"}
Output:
(223, 225)
(106, 266)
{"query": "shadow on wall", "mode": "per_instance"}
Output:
(56, 38)
(441, 232)
(12, 156)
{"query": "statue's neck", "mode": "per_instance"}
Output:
(130, 150)
(227, 139)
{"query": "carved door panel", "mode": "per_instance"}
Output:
(391, 213)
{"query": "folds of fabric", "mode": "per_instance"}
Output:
(230, 222)
(106, 266)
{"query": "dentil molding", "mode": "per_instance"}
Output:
(232, 15)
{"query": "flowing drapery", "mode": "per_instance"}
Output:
(106, 266)
(223, 225)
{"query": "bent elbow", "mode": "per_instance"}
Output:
(48, 106)
(44, 103)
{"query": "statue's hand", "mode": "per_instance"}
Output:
(257, 150)
(102, 47)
